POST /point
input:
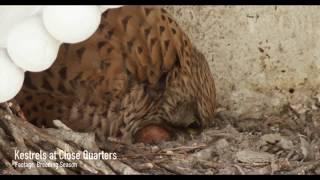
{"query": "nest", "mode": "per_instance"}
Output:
(284, 144)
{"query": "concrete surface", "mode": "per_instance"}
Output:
(262, 57)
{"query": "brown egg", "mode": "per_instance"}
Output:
(152, 134)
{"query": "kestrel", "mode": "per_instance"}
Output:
(138, 77)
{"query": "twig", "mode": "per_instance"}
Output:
(21, 130)
(305, 168)
(239, 169)
(187, 148)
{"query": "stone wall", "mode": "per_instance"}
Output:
(262, 57)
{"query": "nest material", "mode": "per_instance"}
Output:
(284, 144)
(17, 134)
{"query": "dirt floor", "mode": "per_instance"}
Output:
(287, 143)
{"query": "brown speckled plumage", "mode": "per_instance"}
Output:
(139, 68)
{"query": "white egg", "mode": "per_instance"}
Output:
(71, 24)
(103, 8)
(11, 78)
(31, 47)
(12, 15)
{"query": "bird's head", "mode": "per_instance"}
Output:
(203, 86)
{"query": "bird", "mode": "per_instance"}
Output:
(137, 78)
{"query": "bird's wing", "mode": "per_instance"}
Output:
(133, 45)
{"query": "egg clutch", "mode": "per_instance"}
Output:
(31, 41)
